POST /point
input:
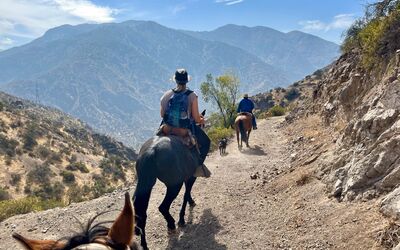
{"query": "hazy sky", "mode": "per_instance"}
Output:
(24, 20)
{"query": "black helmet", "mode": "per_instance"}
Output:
(181, 76)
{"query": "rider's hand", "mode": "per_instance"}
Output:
(202, 120)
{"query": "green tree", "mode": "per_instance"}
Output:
(223, 92)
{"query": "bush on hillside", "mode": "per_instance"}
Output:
(100, 186)
(4, 195)
(15, 179)
(277, 111)
(50, 192)
(217, 133)
(292, 94)
(377, 34)
(31, 134)
(76, 194)
(3, 126)
(40, 174)
(42, 152)
(78, 166)
(10, 208)
(8, 146)
(113, 167)
(54, 158)
(68, 177)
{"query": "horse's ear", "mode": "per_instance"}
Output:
(121, 231)
(38, 244)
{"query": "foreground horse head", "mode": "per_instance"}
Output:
(93, 236)
(243, 126)
(169, 160)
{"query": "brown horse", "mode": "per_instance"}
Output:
(243, 126)
(93, 236)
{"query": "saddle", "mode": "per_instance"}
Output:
(183, 134)
(246, 113)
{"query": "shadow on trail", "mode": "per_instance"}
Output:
(256, 150)
(198, 236)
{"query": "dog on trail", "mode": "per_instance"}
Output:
(222, 145)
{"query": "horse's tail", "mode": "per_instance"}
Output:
(242, 131)
(146, 173)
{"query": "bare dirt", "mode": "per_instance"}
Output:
(255, 199)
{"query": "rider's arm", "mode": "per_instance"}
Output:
(195, 112)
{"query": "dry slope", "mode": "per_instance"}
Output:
(254, 200)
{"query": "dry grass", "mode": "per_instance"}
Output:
(305, 177)
(389, 236)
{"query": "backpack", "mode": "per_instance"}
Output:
(177, 114)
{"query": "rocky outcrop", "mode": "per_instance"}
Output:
(363, 108)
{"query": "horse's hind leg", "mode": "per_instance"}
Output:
(186, 198)
(141, 203)
(172, 192)
(141, 199)
(248, 137)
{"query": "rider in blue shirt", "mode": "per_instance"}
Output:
(247, 105)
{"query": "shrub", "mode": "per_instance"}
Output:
(30, 136)
(8, 146)
(10, 208)
(75, 194)
(40, 174)
(42, 152)
(50, 192)
(16, 124)
(292, 94)
(389, 236)
(3, 126)
(54, 158)
(73, 158)
(1, 106)
(217, 133)
(377, 34)
(4, 195)
(100, 186)
(78, 166)
(15, 179)
(113, 167)
(277, 110)
(68, 177)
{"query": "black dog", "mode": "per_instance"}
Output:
(222, 145)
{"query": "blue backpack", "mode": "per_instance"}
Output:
(177, 114)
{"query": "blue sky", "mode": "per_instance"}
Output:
(24, 20)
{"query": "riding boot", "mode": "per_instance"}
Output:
(201, 170)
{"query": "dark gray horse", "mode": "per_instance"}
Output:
(169, 160)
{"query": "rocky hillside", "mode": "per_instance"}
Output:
(348, 127)
(47, 154)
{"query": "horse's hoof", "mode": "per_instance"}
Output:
(181, 224)
(172, 231)
(192, 203)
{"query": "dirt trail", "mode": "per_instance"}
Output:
(251, 201)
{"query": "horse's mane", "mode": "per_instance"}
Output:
(87, 233)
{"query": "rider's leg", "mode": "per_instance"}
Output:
(204, 143)
(253, 121)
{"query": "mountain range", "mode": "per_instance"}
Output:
(112, 75)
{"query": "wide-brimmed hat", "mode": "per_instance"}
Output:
(246, 95)
(181, 76)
